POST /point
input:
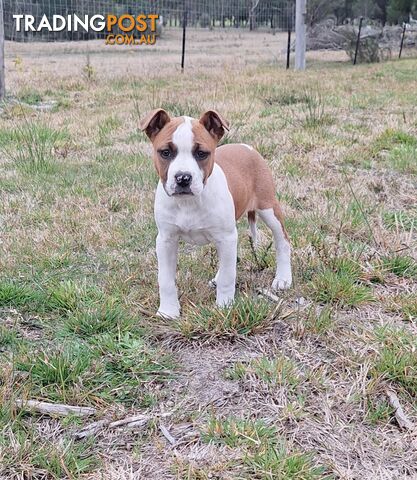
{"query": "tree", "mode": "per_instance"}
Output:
(398, 11)
(318, 10)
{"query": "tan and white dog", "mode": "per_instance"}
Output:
(202, 191)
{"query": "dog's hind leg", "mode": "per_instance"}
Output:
(253, 229)
(274, 220)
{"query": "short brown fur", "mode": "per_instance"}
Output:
(249, 179)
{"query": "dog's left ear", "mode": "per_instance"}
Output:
(154, 122)
(214, 123)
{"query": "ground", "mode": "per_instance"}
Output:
(288, 388)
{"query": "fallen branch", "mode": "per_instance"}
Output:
(400, 416)
(54, 408)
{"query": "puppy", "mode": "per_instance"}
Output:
(202, 191)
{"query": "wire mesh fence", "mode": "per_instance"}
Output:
(250, 14)
(218, 33)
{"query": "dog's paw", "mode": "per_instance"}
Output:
(212, 283)
(281, 283)
(168, 314)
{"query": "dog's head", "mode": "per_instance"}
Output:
(183, 148)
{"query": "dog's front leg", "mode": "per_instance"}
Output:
(226, 276)
(167, 251)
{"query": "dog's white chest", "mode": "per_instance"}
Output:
(197, 220)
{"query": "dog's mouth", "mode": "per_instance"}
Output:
(182, 191)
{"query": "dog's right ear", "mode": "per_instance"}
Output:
(154, 122)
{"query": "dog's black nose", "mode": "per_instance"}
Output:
(183, 179)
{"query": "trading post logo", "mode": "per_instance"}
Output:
(125, 29)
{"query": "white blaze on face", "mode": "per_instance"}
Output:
(184, 162)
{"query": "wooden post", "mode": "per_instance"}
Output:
(300, 35)
(2, 81)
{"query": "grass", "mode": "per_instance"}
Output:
(340, 285)
(78, 282)
(54, 373)
(400, 265)
(406, 304)
(276, 371)
(403, 220)
(29, 454)
(265, 455)
(246, 316)
(33, 146)
(397, 361)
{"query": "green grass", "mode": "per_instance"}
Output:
(15, 295)
(106, 128)
(265, 454)
(234, 432)
(404, 159)
(25, 452)
(125, 365)
(400, 265)
(340, 284)
(404, 304)
(29, 96)
(98, 319)
(319, 322)
(245, 317)
(399, 149)
(276, 371)
(33, 147)
(397, 360)
(378, 411)
(54, 373)
(402, 219)
(278, 462)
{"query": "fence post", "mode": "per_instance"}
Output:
(2, 80)
(184, 28)
(358, 41)
(402, 40)
(300, 35)
(288, 48)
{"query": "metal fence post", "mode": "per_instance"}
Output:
(288, 48)
(358, 41)
(184, 28)
(402, 40)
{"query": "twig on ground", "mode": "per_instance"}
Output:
(167, 435)
(54, 408)
(400, 416)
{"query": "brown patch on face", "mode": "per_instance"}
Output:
(163, 141)
(203, 141)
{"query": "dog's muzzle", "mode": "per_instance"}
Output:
(183, 183)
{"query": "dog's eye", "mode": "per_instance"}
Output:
(166, 153)
(201, 155)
